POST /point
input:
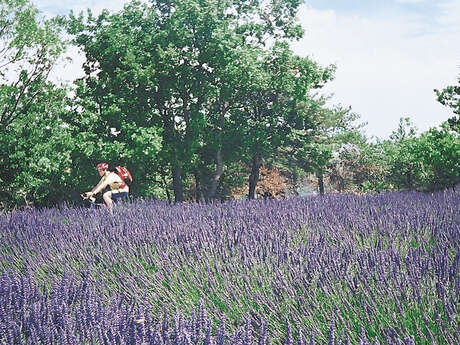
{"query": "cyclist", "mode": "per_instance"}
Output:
(118, 187)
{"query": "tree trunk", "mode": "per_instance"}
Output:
(211, 194)
(214, 182)
(410, 180)
(321, 182)
(177, 184)
(254, 178)
(170, 136)
(199, 190)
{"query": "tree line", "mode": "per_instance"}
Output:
(194, 96)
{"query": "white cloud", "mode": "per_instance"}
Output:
(387, 67)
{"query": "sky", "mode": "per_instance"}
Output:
(390, 54)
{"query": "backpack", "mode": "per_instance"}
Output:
(125, 175)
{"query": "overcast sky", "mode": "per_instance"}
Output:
(390, 54)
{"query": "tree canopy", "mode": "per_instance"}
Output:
(196, 73)
(30, 127)
(195, 97)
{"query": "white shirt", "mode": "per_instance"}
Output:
(112, 180)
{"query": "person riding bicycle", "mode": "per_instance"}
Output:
(118, 188)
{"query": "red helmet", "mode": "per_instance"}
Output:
(102, 166)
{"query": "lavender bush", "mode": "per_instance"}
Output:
(338, 269)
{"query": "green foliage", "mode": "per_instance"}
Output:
(193, 96)
(441, 157)
(319, 145)
(35, 161)
(371, 174)
(37, 165)
(403, 157)
(450, 96)
(29, 47)
(427, 162)
(407, 161)
(199, 77)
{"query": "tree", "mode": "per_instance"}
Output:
(440, 155)
(171, 65)
(114, 109)
(273, 106)
(450, 96)
(331, 130)
(371, 168)
(404, 157)
(32, 133)
(38, 167)
(29, 48)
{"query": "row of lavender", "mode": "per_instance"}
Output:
(75, 314)
(382, 267)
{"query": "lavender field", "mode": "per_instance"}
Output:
(337, 269)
